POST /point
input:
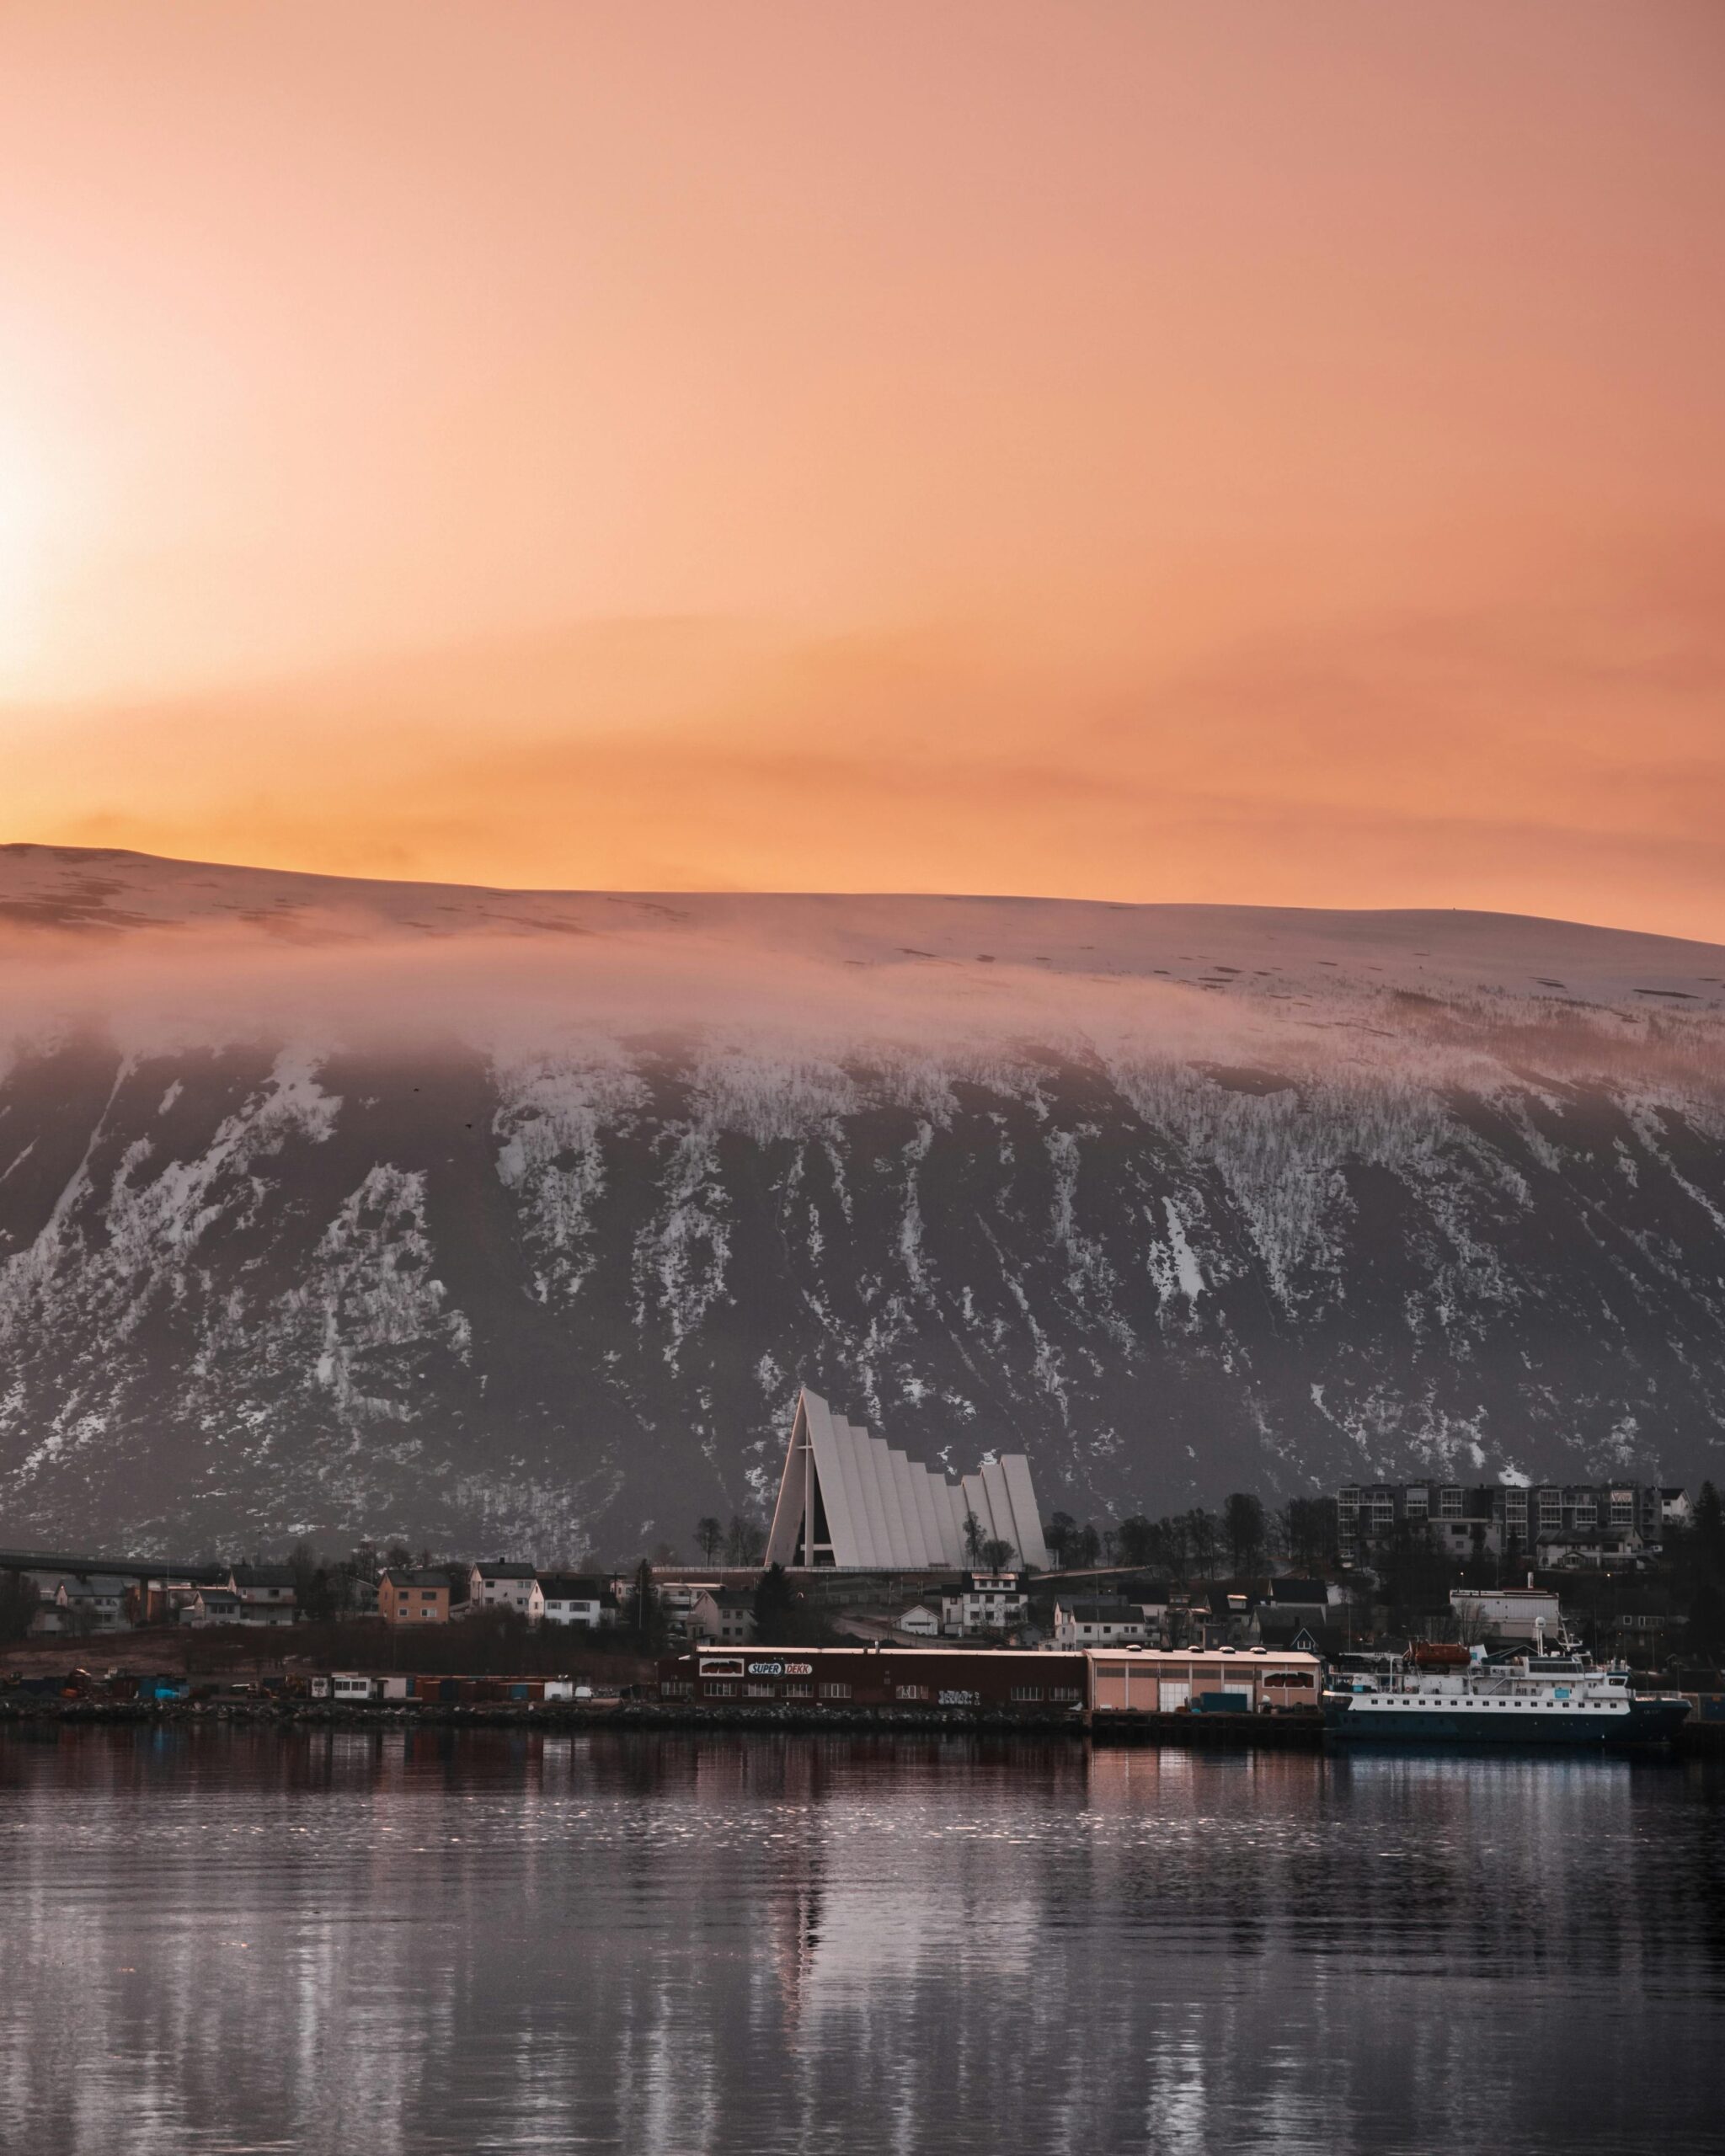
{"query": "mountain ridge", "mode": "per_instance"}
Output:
(16, 852)
(519, 1226)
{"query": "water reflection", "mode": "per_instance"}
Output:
(429, 1942)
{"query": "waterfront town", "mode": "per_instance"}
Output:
(881, 1585)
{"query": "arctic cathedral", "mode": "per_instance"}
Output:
(851, 1501)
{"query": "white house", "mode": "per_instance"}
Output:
(212, 1605)
(266, 1593)
(983, 1602)
(93, 1601)
(676, 1599)
(501, 1586)
(1099, 1624)
(723, 1615)
(572, 1599)
(922, 1619)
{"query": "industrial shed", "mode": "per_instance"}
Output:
(889, 1676)
(1158, 1680)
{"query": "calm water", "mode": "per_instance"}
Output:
(382, 1944)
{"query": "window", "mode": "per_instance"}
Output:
(912, 1692)
(757, 1692)
(835, 1691)
(1027, 1691)
(675, 1688)
(720, 1691)
(1450, 1502)
(1064, 1692)
(797, 1691)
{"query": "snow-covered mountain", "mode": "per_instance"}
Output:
(510, 1220)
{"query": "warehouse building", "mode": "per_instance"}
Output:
(1019, 1680)
(1036, 1683)
(1215, 1680)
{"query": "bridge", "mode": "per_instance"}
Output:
(137, 1568)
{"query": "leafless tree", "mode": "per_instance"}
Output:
(745, 1541)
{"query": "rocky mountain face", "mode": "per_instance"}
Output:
(508, 1221)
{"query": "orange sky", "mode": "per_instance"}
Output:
(1152, 449)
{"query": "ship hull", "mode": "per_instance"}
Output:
(1648, 1722)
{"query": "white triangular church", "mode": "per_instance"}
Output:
(851, 1501)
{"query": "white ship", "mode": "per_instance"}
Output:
(1533, 1697)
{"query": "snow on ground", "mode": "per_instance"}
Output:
(92, 896)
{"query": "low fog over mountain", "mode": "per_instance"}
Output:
(511, 1220)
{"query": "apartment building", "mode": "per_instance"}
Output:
(1504, 1518)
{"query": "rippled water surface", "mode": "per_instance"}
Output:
(482, 1942)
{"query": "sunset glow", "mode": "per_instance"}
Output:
(1165, 452)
